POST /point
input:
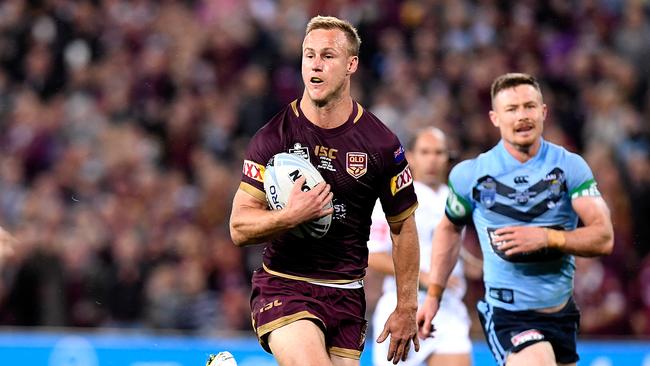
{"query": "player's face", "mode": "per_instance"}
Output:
(519, 113)
(429, 158)
(326, 65)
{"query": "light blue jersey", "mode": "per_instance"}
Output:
(496, 190)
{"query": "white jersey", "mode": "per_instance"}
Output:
(452, 321)
(427, 216)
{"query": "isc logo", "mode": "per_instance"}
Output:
(325, 151)
(271, 305)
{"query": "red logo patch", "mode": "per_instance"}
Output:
(526, 336)
(253, 170)
(401, 180)
(356, 164)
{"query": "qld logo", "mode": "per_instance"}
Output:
(356, 164)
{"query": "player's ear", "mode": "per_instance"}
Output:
(353, 63)
(494, 118)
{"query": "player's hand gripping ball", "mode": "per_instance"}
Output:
(281, 172)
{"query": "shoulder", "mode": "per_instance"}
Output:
(382, 136)
(571, 162)
(464, 170)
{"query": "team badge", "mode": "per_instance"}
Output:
(356, 164)
(522, 197)
(300, 150)
(488, 192)
(555, 188)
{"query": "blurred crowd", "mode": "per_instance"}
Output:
(123, 124)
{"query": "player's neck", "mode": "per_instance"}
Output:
(523, 153)
(330, 115)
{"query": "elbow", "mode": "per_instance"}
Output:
(605, 242)
(608, 242)
(238, 240)
(236, 235)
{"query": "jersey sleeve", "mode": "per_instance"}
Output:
(458, 207)
(379, 240)
(396, 192)
(579, 178)
(260, 149)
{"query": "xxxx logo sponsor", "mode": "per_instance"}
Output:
(253, 170)
(401, 181)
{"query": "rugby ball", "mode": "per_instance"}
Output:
(281, 172)
(224, 358)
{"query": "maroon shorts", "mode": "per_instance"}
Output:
(278, 301)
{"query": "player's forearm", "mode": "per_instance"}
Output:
(589, 241)
(250, 225)
(406, 261)
(444, 255)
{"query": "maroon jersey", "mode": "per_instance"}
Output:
(361, 160)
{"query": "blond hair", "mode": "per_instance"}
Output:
(327, 22)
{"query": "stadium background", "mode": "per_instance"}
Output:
(122, 125)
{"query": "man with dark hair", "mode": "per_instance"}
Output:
(525, 197)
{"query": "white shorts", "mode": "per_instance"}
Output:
(451, 336)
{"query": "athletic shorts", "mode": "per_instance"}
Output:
(278, 301)
(451, 336)
(511, 331)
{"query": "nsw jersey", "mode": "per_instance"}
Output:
(496, 190)
(362, 160)
(431, 208)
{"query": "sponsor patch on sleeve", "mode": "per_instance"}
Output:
(526, 336)
(586, 189)
(456, 206)
(401, 181)
(253, 170)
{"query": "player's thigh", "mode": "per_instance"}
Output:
(342, 361)
(301, 343)
(537, 354)
(460, 359)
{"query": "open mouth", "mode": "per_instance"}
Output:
(316, 80)
(524, 128)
